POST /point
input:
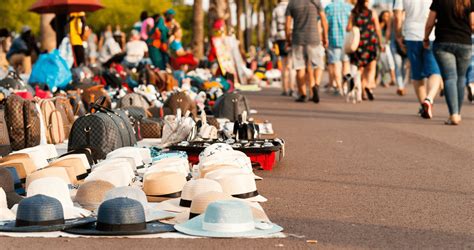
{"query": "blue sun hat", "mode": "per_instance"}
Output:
(227, 219)
(16, 181)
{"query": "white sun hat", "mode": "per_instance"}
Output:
(41, 154)
(178, 165)
(227, 219)
(5, 213)
(241, 186)
(57, 188)
(226, 170)
(112, 162)
(152, 213)
(191, 189)
(119, 176)
(116, 164)
(128, 152)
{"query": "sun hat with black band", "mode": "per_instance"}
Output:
(163, 186)
(121, 216)
(241, 186)
(91, 193)
(59, 172)
(191, 189)
(7, 183)
(41, 213)
(227, 219)
(76, 162)
(16, 181)
(24, 166)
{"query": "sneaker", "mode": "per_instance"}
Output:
(470, 90)
(420, 110)
(370, 94)
(284, 93)
(401, 92)
(315, 94)
(427, 109)
(301, 99)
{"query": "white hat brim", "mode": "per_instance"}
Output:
(171, 205)
(153, 214)
(6, 214)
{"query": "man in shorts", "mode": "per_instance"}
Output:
(422, 61)
(305, 41)
(338, 13)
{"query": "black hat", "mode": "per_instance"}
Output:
(121, 216)
(41, 213)
(8, 184)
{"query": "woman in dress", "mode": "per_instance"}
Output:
(364, 58)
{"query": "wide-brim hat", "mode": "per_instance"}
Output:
(76, 162)
(91, 193)
(59, 172)
(227, 219)
(7, 183)
(47, 214)
(128, 152)
(23, 166)
(218, 171)
(241, 186)
(42, 153)
(121, 216)
(163, 186)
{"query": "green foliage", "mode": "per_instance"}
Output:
(15, 14)
(184, 15)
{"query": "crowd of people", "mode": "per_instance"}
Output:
(426, 43)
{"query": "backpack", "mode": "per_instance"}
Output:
(77, 105)
(53, 122)
(180, 100)
(65, 108)
(94, 93)
(230, 106)
(133, 99)
(102, 131)
(5, 147)
(23, 121)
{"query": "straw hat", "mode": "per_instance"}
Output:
(173, 164)
(57, 188)
(16, 181)
(71, 173)
(14, 156)
(82, 157)
(217, 171)
(76, 161)
(5, 213)
(92, 193)
(7, 184)
(59, 172)
(24, 166)
(41, 213)
(226, 219)
(116, 163)
(151, 212)
(190, 190)
(121, 216)
(214, 149)
(41, 154)
(128, 152)
(241, 186)
(163, 186)
(146, 155)
(119, 177)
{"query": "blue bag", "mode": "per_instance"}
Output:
(51, 69)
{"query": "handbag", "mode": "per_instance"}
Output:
(177, 128)
(352, 40)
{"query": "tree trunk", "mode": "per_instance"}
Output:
(260, 32)
(268, 11)
(240, 30)
(198, 29)
(248, 24)
(48, 36)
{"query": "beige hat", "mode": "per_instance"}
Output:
(190, 190)
(241, 186)
(24, 166)
(71, 173)
(91, 194)
(48, 172)
(83, 157)
(76, 162)
(163, 186)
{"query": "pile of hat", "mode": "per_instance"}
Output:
(132, 193)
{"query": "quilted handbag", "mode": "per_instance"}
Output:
(5, 147)
(23, 122)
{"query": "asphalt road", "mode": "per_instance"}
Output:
(371, 175)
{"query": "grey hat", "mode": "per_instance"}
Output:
(121, 216)
(7, 183)
(41, 213)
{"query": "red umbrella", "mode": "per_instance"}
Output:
(65, 6)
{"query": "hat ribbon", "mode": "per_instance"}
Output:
(120, 227)
(246, 195)
(228, 227)
(172, 195)
(25, 223)
(184, 203)
(82, 176)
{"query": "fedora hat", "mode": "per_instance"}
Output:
(110, 164)
(7, 183)
(129, 152)
(58, 189)
(74, 161)
(218, 170)
(146, 155)
(163, 186)
(59, 172)
(119, 176)
(151, 212)
(71, 173)
(121, 216)
(5, 213)
(241, 186)
(173, 164)
(91, 193)
(46, 151)
(14, 156)
(24, 166)
(82, 157)
(16, 181)
(191, 189)
(214, 149)
(225, 219)
(41, 213)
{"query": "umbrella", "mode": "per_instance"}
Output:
(65, 6)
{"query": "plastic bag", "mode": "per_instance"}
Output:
(51, 69)
(65, 50)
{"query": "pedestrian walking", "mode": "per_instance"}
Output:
(337, 13)
(77, 26)
(305, 40)
(452, 48)
(364, 58)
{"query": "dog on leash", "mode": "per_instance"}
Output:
(354, 89)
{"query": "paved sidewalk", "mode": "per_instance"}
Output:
(371, 175)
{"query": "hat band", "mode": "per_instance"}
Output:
(26, 223)
(228, 227)
(82, 176)
(246, 195)
(173, 195)
(192, 215)
(120, 227)
(184, 203)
